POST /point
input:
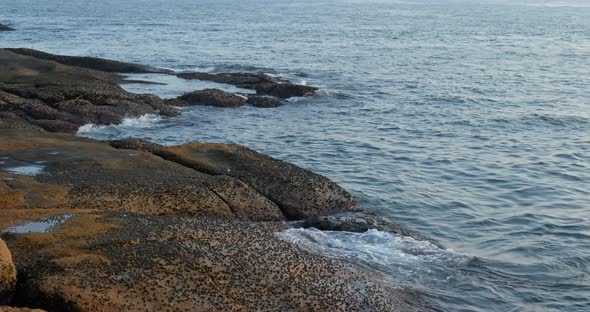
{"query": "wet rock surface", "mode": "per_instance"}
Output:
(213, 97)
(359, 221)
(263, 101)
(262, 83)
(7, 274)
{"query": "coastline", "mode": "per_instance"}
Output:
(140, 208)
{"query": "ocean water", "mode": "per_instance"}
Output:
(468, 121)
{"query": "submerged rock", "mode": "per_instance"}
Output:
(262, 83)
(7, 274)
(263, 101)
(6, 28)
(92, 62)
(125, 262)
(213, 97)
(298, 192)
(359, 221)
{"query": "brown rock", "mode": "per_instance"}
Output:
(7, 273)
(299, 193)
(83, 173)
(126, 262)
(214, 97)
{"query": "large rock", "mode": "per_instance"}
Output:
(92, 62)
(298, 192)
(7, 274)
(6, 28)
(61, 98)
(127, 262)
(263, 84)
(285, 90)
(213, 97)
(71, 172)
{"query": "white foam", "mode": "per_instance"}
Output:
(26, 170)
(392, 254)
(142, 122)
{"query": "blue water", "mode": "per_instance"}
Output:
(468, 121)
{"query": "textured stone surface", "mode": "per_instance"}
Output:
(213, 97)
(298, 192)
(126, 262)
(7, 273)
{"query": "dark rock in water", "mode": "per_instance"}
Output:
(6, 28)
(176, 102)
(243, 80)
(263, 101)
(214, 97)
(263, 84)
(360, 221)
(92, 62)
(285, 90)
(169, 111)
(299, 193)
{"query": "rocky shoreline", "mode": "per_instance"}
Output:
(187, 227)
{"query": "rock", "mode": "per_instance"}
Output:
(285, 90)
(263, 84)
(12, 309)
(243, 80)
(127, 262)
(39, 90)
(263, 101)
(56, 125)
(360, 221)
(169, 111)
(6, 28)
(92, 62)
(7, 273)
(78, 172)
(299, 193)
(213, 97)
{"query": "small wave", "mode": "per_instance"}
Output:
(26, 170)
(404, 257)
(144, 121)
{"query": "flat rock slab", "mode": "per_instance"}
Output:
(127, 262)
(49, 170)
(92, 62)
(299, 193)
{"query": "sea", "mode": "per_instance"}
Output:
(467, 121)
